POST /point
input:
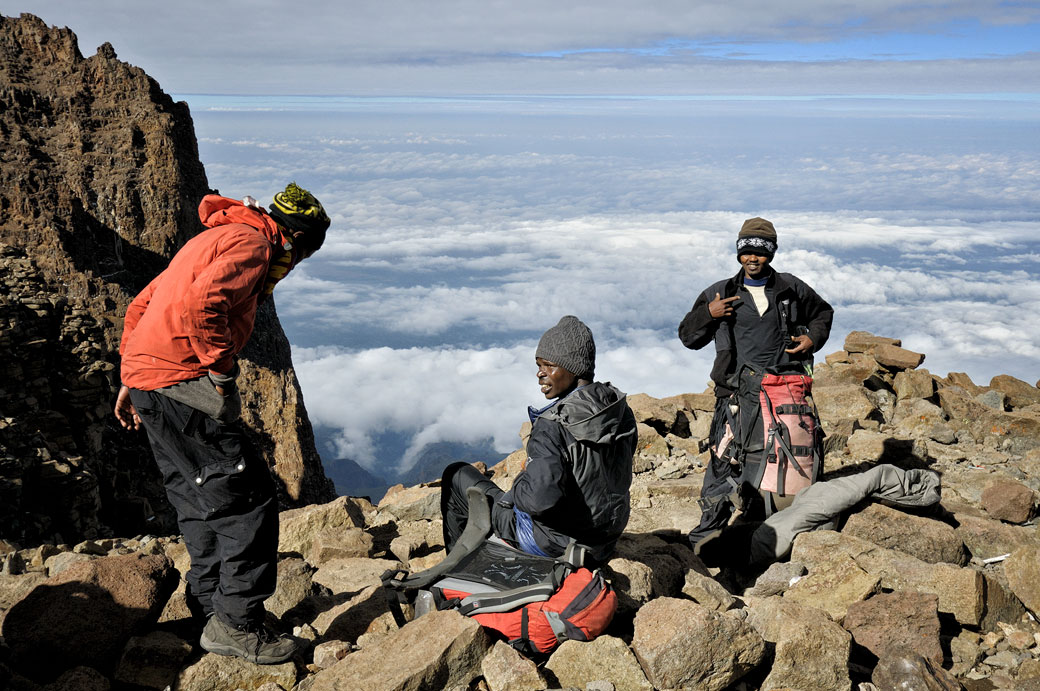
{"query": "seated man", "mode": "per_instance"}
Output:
(579, 460)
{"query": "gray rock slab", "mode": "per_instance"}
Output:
(900, 621)
(1023, 574)
(438, 651)
(912, 672)
(682, 644)
(505, 669)
(223, 673)
(811, 651)
(605, 658)
(927, 539)
(961, 591)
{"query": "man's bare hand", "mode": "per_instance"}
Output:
(125, 411)
(802, 344)
(720, 307)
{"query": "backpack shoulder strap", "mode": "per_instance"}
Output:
(478, 527)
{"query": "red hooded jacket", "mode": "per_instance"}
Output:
(198, 314)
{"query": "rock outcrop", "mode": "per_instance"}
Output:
(99, 182)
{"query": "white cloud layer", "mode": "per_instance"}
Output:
(458, 394)
(632, 279)
(458, 237)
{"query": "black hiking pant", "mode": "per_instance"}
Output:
(719, 481)
(457, 478)
(225, 502)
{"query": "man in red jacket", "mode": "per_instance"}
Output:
(180, 338)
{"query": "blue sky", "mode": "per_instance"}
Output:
(493, 165)
(968, 38)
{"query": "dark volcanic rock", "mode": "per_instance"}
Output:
(100, 180)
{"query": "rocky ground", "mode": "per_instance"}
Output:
(943, 600)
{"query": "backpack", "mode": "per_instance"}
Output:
(533, 602)
(789, 426)
(772, 433)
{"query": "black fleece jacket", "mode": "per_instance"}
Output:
(744, 338)
(579, 469)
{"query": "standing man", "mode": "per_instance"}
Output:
(760, 320)
(180, 339)
(575, 484)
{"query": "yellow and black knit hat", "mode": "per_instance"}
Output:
(298, 210)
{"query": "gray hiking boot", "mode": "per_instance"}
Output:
(258, 644)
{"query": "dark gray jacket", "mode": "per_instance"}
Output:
(578, 473)
(795, 308)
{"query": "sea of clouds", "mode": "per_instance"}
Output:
(463, 229)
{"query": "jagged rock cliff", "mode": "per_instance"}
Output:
(99, 182)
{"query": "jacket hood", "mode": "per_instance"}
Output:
(593, 413)
(215, 210)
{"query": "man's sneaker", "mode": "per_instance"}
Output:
(258, 644)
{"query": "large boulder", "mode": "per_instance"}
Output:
(914, 384)
(834, 586)
(897, 622)
(298, 528)
(928, 540)
(896, 358)
(87, 613)
(986, 538)
(505, 669)
(1023, 574)
(961, 591)
(681, 644)
(811, 651)
(222, 673)
(576, 664)
(421, 503)
(1019, 394)
(1009, 501)
(866, 342)
(441, 650)
(844, 402)
(657, 413)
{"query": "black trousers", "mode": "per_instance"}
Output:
(456, 479)
(719, 479)
(225, 502)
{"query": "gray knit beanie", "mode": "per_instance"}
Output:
(570, 345)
